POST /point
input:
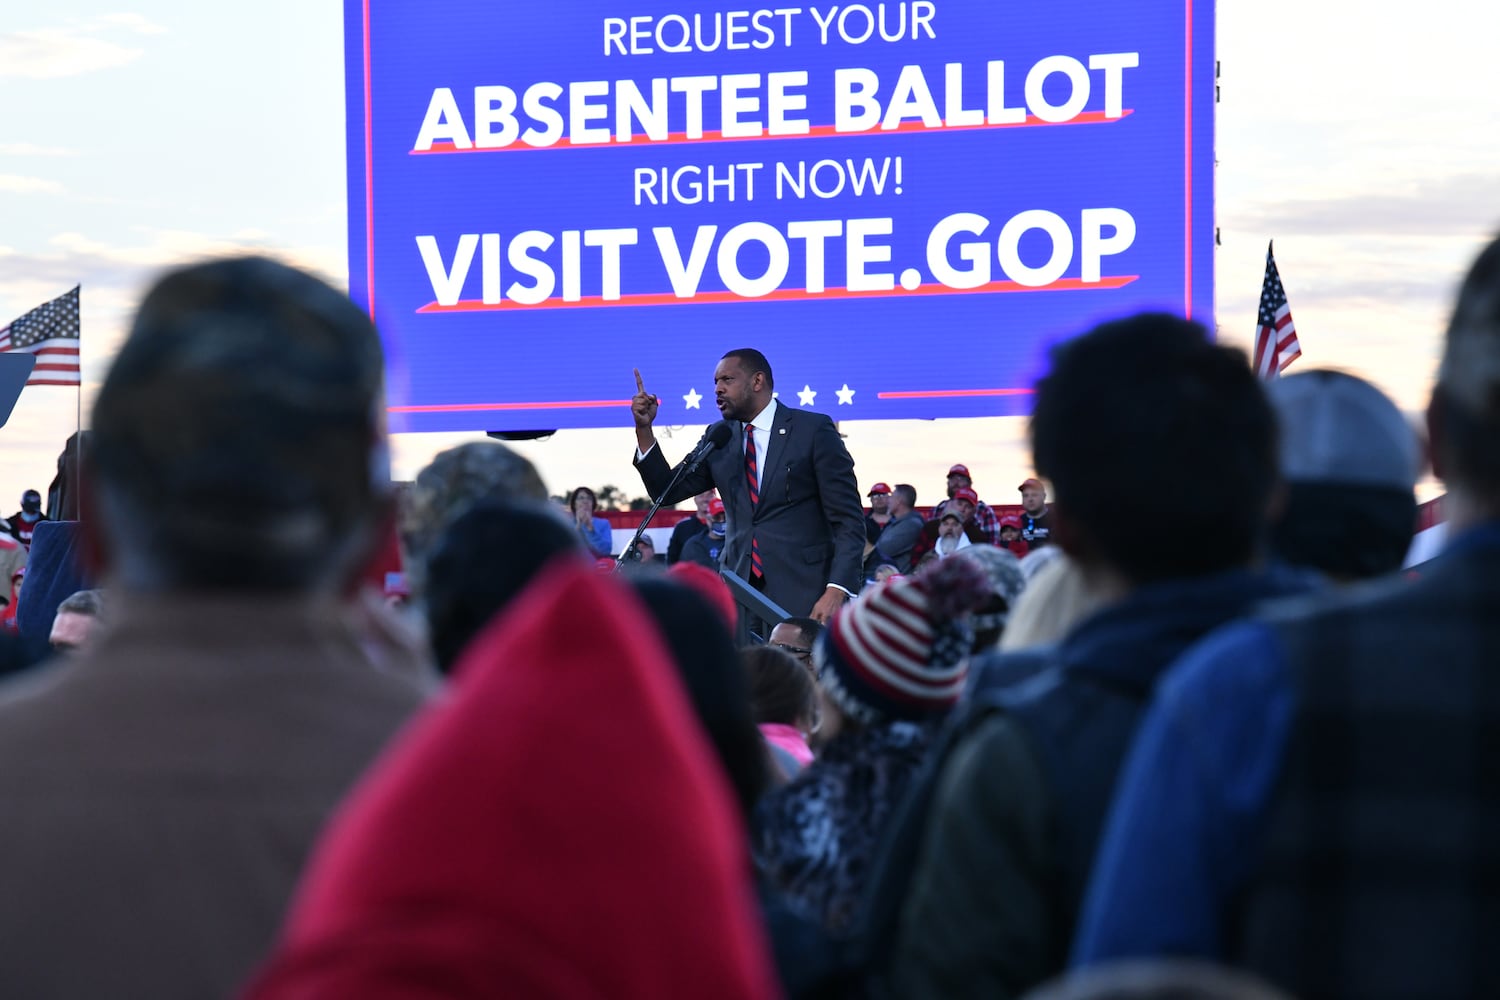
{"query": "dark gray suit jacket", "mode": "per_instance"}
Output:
(810, 520)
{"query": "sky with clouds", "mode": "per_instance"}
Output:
(134, 139)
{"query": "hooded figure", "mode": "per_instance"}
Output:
(551, 830)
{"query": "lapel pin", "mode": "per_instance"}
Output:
(783, 430)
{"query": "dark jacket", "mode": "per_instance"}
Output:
(1396, 706)
(704, 548)
(684, 530)
(1011, 834)
(896, 541)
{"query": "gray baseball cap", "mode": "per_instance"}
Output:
(1339, 429)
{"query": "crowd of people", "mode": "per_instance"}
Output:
(899, 536)
(1235, 751)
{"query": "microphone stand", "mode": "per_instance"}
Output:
(682, 470)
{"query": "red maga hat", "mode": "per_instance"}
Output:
(964, 493)
(879, 490)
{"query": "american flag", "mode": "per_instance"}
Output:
(51, 332)
(1275, 335)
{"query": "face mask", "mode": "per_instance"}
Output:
(717, 528)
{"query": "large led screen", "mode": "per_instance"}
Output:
(903, 205)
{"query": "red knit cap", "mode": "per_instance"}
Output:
(709, 584)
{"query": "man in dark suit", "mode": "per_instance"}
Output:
(796, 524)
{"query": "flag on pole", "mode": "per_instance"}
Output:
(1275, 335)
(51, 332)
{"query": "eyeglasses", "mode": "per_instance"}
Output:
(800, 652)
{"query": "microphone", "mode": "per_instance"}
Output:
(718, 437)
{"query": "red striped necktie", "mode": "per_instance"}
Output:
(756, 573)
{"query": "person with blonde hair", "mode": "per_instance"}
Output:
(1057, 597)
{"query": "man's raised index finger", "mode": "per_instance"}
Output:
(640, 386)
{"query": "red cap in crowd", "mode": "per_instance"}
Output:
(879, 490)
(1010, 521)
(715, 507)
(965, 493)
(960, 470)
(709, 584)
(1032, 484)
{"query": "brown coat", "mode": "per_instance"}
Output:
(159, 793)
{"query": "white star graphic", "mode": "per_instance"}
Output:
(845, 395)
(807, 395)
(692, 399)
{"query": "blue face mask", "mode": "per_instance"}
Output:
(717, 527)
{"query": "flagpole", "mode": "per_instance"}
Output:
(78, 412)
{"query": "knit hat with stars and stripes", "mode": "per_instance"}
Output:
(901, 650)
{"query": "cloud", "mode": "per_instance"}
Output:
(1460, 205)
(114, 275)
(32, 149)
(139, 23)
(17, 184)
(82, 46)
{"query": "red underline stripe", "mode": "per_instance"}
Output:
(953, 393)
(779, 295)
(815, 132)
(567, 404)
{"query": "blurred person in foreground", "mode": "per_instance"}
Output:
(1020, 797)
(892, 665)
(551, 829)
(1157, 979)
(196, 748)
(687, 608)
(454, 481)
(1350, 462)
(483, 561)
(1311, 795)
(1056, 597)
(1003, 571)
